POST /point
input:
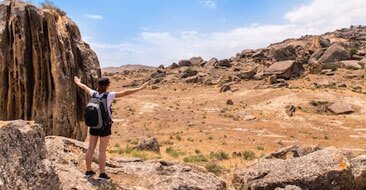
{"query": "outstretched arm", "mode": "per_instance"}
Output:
(131, 91)
(81, 85)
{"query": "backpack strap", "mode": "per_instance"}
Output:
(105, 95)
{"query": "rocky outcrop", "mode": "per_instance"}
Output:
(148, 144)
(285, 69)
(334, 53)
(324, 169)
(23, 158)
(127, 173)
(40, 52)
(358, 165)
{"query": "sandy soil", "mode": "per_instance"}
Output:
(193, 118)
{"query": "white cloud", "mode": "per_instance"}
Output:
(208, 3)
(155, 48)
(95, 17)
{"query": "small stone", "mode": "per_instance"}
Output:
(229, 102)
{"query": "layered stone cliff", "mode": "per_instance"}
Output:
(40, 51)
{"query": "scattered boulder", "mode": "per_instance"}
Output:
(280, 53)
(285, 69)
(323, 169)
(173, 66)
(358, 165)
(363, 63)
(229, 102)
(23, 158)
(192, 79)
(350, 64)
(185, 63)
(341, 108)
(292, 152)
(223, 63)
(149, 144)
(247, 73)
(225, 87)
(158, 74)
(198, 61)
(211, 63)
(335, 53)
(188, 73)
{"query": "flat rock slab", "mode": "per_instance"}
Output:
(351, 64)
(324, 169)
(341, 108)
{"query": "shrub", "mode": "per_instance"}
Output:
(173, 153)
(47, 4)
(219, 155)
(214, 168)
(198, 158)
(248, 155)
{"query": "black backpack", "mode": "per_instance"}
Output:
(96, 112)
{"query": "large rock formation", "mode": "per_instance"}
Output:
(40, 52)
(324, 169)
(23, 159)
(67, 156)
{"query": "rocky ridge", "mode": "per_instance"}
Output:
(290, 59)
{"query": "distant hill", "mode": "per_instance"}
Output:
(126, 68)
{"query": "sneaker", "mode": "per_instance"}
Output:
(89, 173)
(104, 176)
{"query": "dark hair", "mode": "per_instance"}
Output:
(103, 84)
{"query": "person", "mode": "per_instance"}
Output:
(104, 133)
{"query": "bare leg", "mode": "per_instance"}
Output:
(102, 153)
(93, 140)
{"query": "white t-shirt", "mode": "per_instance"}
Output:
(110, 97)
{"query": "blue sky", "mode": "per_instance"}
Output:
(154, 32)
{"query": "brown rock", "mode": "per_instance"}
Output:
(211, 63)
(149, 144)
(285, 69)
(350, 64)
(23, 158)
(324, 169)
(40, 52)
(223, 63)
(358, 165)
(188, 73)
(192, 79)
(363, 63)
(173, 66)
(185, 63)
(229, 102)
(197, 61)
(334, 53)
(341, 108)
(283, 53)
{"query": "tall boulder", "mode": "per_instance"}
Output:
(334, 53)
(324, 169)
(23, 159)
(40, 52)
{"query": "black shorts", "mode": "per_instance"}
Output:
(103, 132)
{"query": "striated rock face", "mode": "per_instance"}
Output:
(23, 159)
(324, 169)
(40, 52)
